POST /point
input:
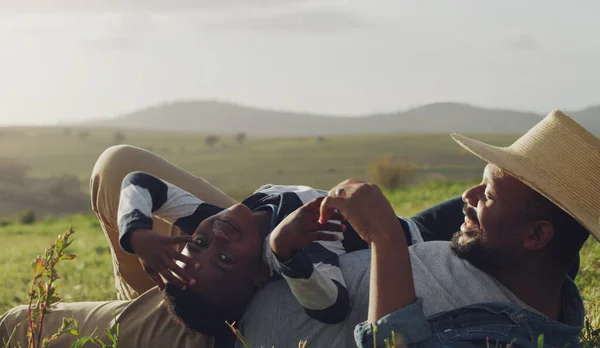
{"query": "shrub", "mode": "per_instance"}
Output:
(13, 171)
(211, 140)
(240, 137)
(83, 135)
(390, 174)
(26, 217)
(66, 185)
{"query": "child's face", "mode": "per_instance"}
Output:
(229, 250)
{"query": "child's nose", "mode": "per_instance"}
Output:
(220, 237)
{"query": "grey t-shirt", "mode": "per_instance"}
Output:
(444, 281)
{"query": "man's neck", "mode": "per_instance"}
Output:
(539, 290)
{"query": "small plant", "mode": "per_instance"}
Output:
(43, 292)
(43, 295)
(238, 334)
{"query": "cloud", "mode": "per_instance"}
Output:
(45, 6)
(306, 21)
(123, 32)
(103, 31)
(523, 42)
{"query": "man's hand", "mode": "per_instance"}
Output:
(157, 256)
(364, 206)
(301, 228)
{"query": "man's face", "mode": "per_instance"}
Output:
(496, 221)
(229, 249)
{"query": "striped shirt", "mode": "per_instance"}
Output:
(313, 273)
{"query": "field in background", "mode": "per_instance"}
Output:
(237, 168)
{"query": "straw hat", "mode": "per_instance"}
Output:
(559, 159)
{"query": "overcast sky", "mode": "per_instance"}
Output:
(66, 60)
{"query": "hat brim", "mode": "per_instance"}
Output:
(521, 168)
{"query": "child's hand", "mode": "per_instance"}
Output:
(301, 228)
(157, 256)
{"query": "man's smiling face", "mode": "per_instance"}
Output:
(497, 221)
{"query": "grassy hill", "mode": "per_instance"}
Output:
(229, 118)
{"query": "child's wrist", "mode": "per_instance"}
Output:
(282, 253)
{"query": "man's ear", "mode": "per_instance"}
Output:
(540, 234)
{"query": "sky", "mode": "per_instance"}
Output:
(73, 60)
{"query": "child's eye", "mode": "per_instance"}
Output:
(225, 259)
(201, 243)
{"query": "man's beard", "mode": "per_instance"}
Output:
(472, 247)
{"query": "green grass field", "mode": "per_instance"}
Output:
(240, 169)
(90, 278)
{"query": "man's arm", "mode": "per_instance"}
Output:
(394, 309)
(440, 221)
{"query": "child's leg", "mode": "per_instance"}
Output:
(105, 185)
(143, 322)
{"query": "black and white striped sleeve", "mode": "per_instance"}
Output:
(315, 278)
(144, 196)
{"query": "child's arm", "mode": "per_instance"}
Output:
(311, 269)
(144, 196)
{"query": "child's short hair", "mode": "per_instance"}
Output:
(199, 313)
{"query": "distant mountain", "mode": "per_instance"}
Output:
(228, 118)
(589, 118)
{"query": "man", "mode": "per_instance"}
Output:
(272, 320)
(514, 239)
(524, 226)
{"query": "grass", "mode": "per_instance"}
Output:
(239, 169)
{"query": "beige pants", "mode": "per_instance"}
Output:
(143, 319)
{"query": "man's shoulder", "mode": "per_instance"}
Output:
(298, 189)
(289, 195)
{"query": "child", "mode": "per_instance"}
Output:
(272, 234)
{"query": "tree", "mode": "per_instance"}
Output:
(240, 137)
(119, 137)
(211, 140)
(83, 135)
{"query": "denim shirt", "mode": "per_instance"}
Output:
(478, 325)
